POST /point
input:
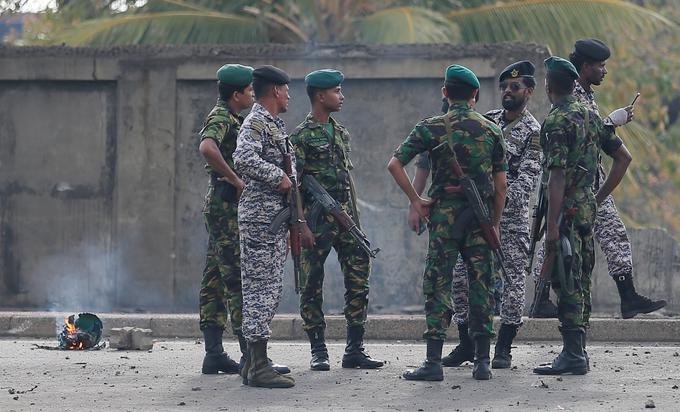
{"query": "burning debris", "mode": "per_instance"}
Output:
(81, 332)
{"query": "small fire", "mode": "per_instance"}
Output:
(79, 333)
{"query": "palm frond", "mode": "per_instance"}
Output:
(406, 25)
(186, 27)
(161, 6)
(556, 22)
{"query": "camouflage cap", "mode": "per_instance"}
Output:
(458, 73)
(557, 64)
(235, 74)
(324, 78)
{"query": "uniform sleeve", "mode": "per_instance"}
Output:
(520, 190)
(558, 136)
(423, 161)
(216, 127)
(297, 139)
(247, 156)
(416, 142)
(498, 155)
(608, 141)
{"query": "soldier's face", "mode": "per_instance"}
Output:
(514, 94)
(332, 99)
(282, 97)
(595, 72)
(246, 98)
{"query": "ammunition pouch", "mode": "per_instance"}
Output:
(223, 190)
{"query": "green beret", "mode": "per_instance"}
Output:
(559, 65)
(235, 74)
(457, 73)
(324, 78)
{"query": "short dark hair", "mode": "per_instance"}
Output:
(459, 91)
(227, 90)
(529, 82)
(311, 91)
(261, 87)
(560, 84)
(578, 60)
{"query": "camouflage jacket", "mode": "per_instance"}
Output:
(524, 166)
(258, 159)
(323, 156)
(478, 144)
(221, 125)
(585, 97)
(568, 143)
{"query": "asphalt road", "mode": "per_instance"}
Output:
(623, 377)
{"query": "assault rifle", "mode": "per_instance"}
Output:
(481, 212)
(334, 208)
(292, 216)
(537, 231)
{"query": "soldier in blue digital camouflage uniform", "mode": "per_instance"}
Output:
(589, 57)
(260, 148)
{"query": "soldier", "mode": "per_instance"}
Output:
(322, 147)
(589, 58)
(571, 136)
(477, 143)
(262, 142)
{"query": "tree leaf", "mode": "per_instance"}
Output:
(178, 27)
(406, 25)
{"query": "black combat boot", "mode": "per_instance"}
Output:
(481, 370)
(317, 342)
(215, 359)
(571, 359)
(243, 345)
(260, 370)
(355, 356)
(431, 369)
(464, 352)
(502, 359)
(631, 302)
(585, 354)
(546, 309)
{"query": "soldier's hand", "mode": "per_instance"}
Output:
(285, 185)
(422, 207)
(306, 236)
(240, 185)
(413, 219)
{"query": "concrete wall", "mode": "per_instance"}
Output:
(101, 183)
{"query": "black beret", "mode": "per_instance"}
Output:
(592, 49)
(271, 74)
(523, 68)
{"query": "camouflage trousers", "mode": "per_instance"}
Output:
(446, 242)
(263, 256)
(572, 309)
(515, 247)
(355, 266)
(220, 293)
(610, 233)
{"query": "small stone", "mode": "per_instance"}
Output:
(196, 389)
(455, 387)
(559, 379)
(650, 404)
(676, 354)
(16, 398)
(674, 387)
(181, 404)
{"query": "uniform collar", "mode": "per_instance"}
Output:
(224, 104)
(460, 105)
(312, 123)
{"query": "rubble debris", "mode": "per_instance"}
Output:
(649, 404)
(130, 338)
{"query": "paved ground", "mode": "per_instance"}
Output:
(623, 377)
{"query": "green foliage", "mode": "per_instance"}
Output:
(406, 25)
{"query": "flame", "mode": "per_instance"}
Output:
(70, 327)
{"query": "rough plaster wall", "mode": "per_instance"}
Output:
(142, 221)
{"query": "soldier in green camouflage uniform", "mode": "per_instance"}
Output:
(220, 293)
(322, 147)
(478, 145)
(571, 136)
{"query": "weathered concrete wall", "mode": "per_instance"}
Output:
(101, 183)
